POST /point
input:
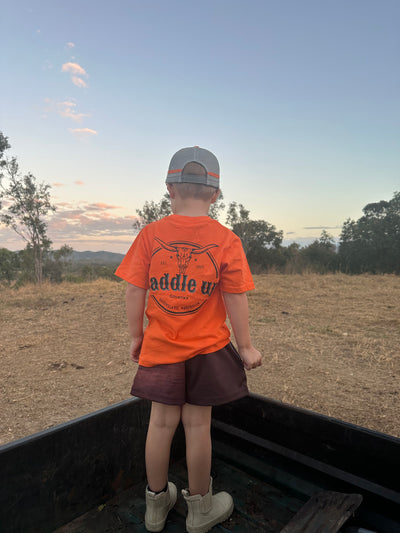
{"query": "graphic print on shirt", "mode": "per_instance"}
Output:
(183, 275)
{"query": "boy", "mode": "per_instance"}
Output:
(195, 271)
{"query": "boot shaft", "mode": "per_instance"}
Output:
(158, 507)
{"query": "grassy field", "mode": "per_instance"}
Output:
(329, 343)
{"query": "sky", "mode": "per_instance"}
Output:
(298, 99)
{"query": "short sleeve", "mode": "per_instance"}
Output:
(235, 272)
(134, 268)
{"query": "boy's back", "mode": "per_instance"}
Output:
(185, 262)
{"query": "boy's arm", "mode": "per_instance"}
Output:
(135, 304)
(238, 312)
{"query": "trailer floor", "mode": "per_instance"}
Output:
(259, 506)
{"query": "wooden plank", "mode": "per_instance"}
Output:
(325, 512)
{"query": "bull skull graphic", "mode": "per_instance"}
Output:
(184, 253)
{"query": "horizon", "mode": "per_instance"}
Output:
(285, 244)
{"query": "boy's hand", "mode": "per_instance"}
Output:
(251, 357)
(134, 350)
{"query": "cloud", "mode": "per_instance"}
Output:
(79, 182)
(74, 68)
(79, 82)
(65, 109)
(77, 73)
(70, 45)
(57, 184)
(83, 225)
(83, 134)
(95, 223)
(321, 227)
(100, 206)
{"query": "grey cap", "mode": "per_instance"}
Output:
(194, 154)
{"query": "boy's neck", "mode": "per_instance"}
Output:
(190, 207)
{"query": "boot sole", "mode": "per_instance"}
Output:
(154, 529)
(206, 527)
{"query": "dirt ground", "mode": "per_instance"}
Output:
(329, 343)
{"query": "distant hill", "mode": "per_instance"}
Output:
(96, 258)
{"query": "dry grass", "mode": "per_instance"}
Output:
(330, 344)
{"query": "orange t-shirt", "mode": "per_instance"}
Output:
(185, 263)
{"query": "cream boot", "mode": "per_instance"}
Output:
(158, 507)
(206, 511)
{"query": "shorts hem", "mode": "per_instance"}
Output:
(212, 403)
(151, 398)
(220, 401)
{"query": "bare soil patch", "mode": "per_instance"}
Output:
(329, 343)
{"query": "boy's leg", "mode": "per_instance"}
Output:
(196, 421)
(164, 420)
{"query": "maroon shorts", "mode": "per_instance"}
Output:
(207, 379)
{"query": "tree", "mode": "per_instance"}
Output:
(372, 243)
(321, 254)
(152, 211)
(9, 264)
(4, 145)
(57, 263)
(28, 203)
(257, 236)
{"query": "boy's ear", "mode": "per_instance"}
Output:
(214, 197)
(171, 190)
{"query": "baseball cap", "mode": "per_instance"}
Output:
(194, 154)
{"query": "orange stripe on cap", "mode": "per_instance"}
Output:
(180, 170)
(175, 171)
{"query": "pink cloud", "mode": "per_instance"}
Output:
(72, 214)
(83, 228)
(77, 73)
(79, 182)
(83, 134)
(66, 109)
(57, 184)
(74, 68)
(101, 206)
(70, 45)
(79, 82)
(83, 220)
(58, 225)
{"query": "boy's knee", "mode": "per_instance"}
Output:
(196, 416)
(165, 416)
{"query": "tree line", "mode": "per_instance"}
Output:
(370, 244)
